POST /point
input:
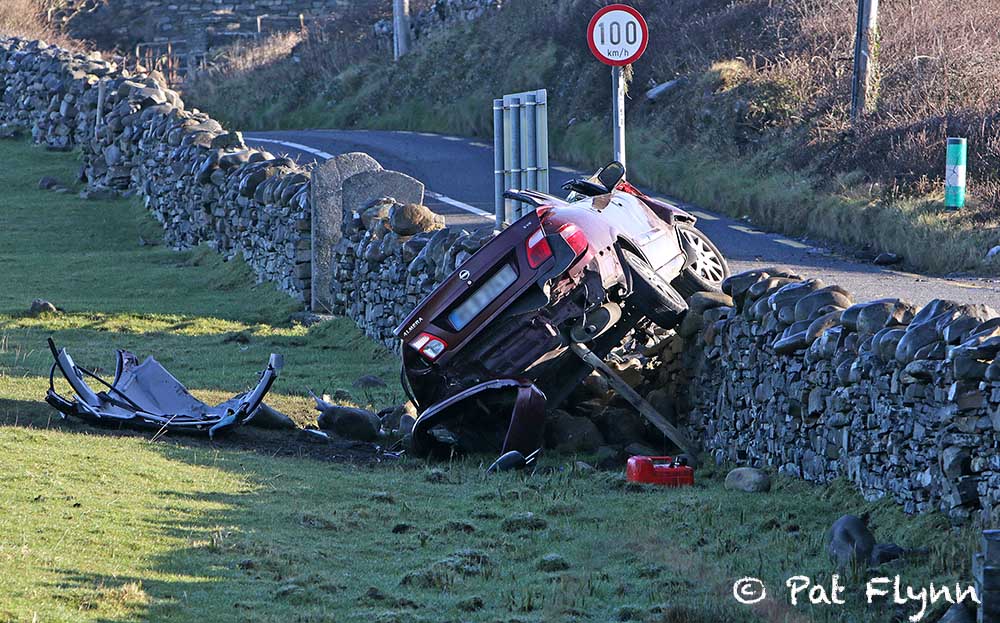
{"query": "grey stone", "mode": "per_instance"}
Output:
(830, 295)
(326, 200)
(700, 302)
(571, 434)
(917, 336)
(552, 562)
(48, 183)
(41, 306)
(368, 381)
(958, 613)
(270, 418)
(748, 479)
(955, 462)
(869, 318)
(850, 543)
(887, 259)
(350, 422)
(362, 188)
(793, 293)
(524, 521)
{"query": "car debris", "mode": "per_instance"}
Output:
(146, 396)
(522, 322)
(513, 460)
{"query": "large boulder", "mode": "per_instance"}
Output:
(830, 295)
(350, 422)
(568, 433)
(412, 218)
(748, 479)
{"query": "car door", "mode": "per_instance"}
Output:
(655, 238)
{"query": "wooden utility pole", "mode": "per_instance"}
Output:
(864, 88)
(400, 27)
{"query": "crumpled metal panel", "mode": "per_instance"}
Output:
(146, 395)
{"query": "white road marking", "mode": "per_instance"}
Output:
(792, 243)
(745, 230)
(326, 156)
(450, 138)
(564, 169)
(478, 144)
(428, 134)
(705, 216)
(319, 153)
(461, 206)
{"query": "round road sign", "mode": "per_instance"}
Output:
(617, 34)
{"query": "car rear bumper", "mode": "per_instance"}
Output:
(484, 409)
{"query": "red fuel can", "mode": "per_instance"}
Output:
(659, 470)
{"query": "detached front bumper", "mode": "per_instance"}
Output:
(507, 413)
(145, 395)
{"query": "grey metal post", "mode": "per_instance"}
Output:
(531, 140)
(618, 115)
(542, 133)
(515, 155)
(498, 168)
(401, 27)
(863, 86)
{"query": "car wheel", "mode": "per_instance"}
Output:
(653, 297)
(708, 267)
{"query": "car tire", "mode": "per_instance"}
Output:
(707, 269)
(652, 296)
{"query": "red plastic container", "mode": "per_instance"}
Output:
(659, 470)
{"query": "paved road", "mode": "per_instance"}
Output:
(458, 173)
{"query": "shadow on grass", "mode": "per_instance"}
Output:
(271, 443)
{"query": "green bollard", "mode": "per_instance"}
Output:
(954, 174)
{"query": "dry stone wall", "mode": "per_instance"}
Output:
(440, 15)
(902, 402)
(389, 257)
(136, 137)
(195, 25)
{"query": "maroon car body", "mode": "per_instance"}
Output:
(488, 349)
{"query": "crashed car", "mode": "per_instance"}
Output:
(146, 396)
(516, 328)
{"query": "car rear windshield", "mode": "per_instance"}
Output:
(462, 315)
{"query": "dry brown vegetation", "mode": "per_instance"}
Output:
(28, 19)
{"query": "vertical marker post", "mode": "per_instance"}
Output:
(618, 114)
(954, 174)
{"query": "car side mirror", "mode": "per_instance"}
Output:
(611, 174)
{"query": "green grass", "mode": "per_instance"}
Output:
(97, 526)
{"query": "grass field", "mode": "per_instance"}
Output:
(101, 526)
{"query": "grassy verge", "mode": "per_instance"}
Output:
(104, 527)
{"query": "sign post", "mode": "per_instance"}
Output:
(618, 36)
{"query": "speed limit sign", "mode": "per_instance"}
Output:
(617, 35)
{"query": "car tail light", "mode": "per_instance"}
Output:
(429, 345)
(538, 248)
(543, 211)
(574, 237)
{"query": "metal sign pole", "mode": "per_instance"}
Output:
(618, 97)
